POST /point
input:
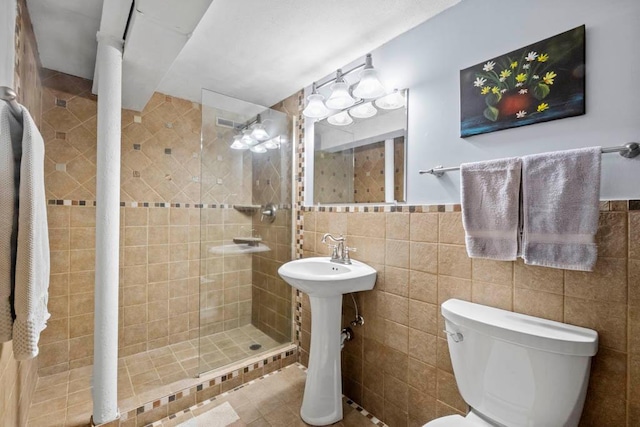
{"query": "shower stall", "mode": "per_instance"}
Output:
(245, 230)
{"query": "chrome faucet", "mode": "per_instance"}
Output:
(340, 251)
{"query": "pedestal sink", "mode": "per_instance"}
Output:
(325, 282)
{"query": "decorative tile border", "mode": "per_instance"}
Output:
(221, 379)
(605, 206)
(60, 202)
(350, 402)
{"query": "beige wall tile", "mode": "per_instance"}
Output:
(490, 271)
(396, 281)
(608, 318)
(424, 227)
(423, 286)
(612, 235)
(607, 282)
(493, 295)
(397, 226)
(634, 234)
(538, 278)
(423, 316)
(397, 253)
(453, 261)
(540, 304)
(422, 346)
(448, 391)
(451, 230)
(423, 257)
(366, 224)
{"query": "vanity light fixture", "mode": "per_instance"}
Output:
(369, 85)
(315, 108)
(258, 132)
(341, 119)
(272, 144)
(340, 97)
(392, 101)
(363, 111)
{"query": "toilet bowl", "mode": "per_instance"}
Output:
(515, 370)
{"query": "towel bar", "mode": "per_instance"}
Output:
(628, 151)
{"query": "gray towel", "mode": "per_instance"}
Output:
(490, 204)
(560, 201)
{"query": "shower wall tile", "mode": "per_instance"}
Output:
(402, 356)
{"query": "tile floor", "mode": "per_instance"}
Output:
(273, 400)
(64, 399)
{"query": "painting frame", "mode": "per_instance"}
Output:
(540, 82)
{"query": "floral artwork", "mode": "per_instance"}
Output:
(540, 82)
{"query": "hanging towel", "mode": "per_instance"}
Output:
(560, 206)
(490, 194)
(10, 135)
(32, 259)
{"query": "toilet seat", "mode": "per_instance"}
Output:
(471, 420)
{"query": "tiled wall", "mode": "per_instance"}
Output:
(333, 177)
(272, 297)
(160, 230)
(398, 366)
(18, 379)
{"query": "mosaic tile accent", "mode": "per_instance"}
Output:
(348, 401)
(218, 380)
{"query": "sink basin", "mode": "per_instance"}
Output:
(325, 282)
(320, 277)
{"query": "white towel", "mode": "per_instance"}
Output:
(10, 135)
(560, 199)
(32, 259)
(490, 204)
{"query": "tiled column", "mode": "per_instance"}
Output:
(105, 365)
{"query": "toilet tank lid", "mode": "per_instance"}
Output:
(528, 331)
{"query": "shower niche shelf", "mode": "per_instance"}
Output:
(247, 209)
(238, 249)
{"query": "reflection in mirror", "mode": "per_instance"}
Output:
(361, 160)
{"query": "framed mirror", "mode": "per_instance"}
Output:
(359, 159)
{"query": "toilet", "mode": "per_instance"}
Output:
(515, 370)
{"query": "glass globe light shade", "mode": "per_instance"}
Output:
(259, 133)
(247, 139)
(272, 144)
(238, 144)
(363, 111)
(315, 108)
(340, 119)
(340, 97)
(391, 102)
(369, 85)
(258, 149)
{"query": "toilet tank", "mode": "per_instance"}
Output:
(519, 370)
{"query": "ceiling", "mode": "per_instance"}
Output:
(255, 50)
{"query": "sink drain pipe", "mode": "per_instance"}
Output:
(345, 335)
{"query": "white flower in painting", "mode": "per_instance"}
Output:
(523, 91)
(536, 77)
(519, 84)
(520, 114)
(531, 56)
(489, 66)
(503, 91)
(502, 79)
(479, 82)
(526, 66)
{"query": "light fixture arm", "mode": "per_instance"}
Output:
(316, 86)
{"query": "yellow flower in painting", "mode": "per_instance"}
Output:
(548, 78)
(542, 107)
(505, 73)
(521, 77)
(485, 90)
(495, 90)
(543, 57)
(514, 64)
